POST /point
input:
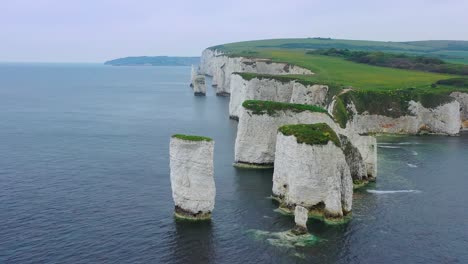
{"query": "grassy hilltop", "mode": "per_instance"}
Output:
(385, 89)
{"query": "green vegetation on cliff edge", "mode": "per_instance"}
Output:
(191, 137)
(311, 134)
(271, 108)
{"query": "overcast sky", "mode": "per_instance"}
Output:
(99, 30)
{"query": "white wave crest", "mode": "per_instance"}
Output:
(392, 191)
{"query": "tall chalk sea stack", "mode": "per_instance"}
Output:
(192, 181)
(311, 171)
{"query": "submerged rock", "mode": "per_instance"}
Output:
(285, 239)
(192, 182)
(311, 171)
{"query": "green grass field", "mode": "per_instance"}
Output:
(339, 72)
(374, 89)
(449, 50)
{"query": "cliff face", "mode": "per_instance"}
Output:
(256, 133)
(198, 84)
(192, 182)
(268, 89)
(221, 67)
(462, 98)
(444, 119)
(311, 176)
(256, 140)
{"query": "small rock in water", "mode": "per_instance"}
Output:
(301, 214)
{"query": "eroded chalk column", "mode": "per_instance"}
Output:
(311, 171)
(192, 181)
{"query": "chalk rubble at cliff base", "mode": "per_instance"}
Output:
(192, 181)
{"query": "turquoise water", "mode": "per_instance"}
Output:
(84, 178)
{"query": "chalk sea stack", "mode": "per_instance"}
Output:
(192, 176)
(311, 171)
(301, 215)
(198, 85)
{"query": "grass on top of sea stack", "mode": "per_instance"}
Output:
(269, 107)
(192, 137)
(311, 134)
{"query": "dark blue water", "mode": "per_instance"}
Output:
(84, 178)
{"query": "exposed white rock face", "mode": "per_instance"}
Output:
(301, 215)
(256, 89)
(444, 119)
(256, 134)
(367, 146)
(309, 94)
(256, 139)
(192, 182)
(310, 175)
(354, 159)
(266, 89)
(221, 67)
(199, 87)
(462, 98)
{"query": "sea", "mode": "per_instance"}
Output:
(84, 178)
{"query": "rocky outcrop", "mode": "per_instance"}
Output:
(192, 182)
(198, 84)
(222, 66)
(444, 119)
(301, 215)
(462, 99)
(314, 94)
(313, 175)
(367, 146)
(271, 89)
(256, 133)
(354, 159)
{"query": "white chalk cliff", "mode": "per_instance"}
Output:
(462, 99)
(192, 182)
(221, 67)
(316, 177)
(270, 89)
(198, 85)
(256, 133)
(256, 139)
(444, 119)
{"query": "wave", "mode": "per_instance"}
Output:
(414, 153)
(412, 165)
(390, 147)
(392, 191)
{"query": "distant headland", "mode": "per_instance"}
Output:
(154, 61)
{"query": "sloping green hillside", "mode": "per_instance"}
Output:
(449, 50)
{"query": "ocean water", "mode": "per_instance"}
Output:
(84, 178)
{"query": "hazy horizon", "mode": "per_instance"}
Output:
(94, 32)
